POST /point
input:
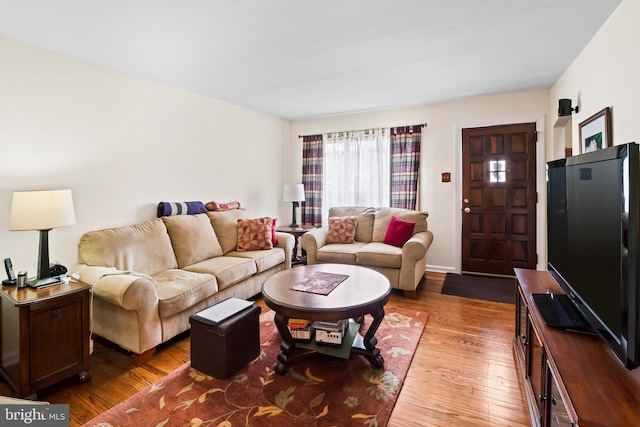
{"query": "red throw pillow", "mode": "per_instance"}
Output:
(398, 232)
(274, 236)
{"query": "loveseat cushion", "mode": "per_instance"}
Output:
(144, 247)
(340, 253)
(264, 259)
(383, 217)
(178, 290)
(228, 270)
(365, 215)
(378, 254)
(225, 225)
(192, 238)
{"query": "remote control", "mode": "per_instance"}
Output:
(9, 269)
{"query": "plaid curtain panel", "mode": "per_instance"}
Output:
(405, 166)
(312, 179)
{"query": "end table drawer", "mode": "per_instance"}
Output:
(55, 339)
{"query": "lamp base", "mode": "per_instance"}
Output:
(293, 215)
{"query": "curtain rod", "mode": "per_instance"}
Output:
(422, 125)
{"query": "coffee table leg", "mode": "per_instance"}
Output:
(287, 345)
(371, 352)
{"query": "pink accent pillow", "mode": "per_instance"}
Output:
(274, 236)
(342, 229)
(218, 207)
(255, 234)
(398, 232)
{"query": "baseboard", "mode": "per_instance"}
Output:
(440, 269)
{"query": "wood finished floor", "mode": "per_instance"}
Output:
(462, 374)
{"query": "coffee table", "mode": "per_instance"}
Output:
(364, 292)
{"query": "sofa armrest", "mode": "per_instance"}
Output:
(414, 253)
(417, 246)
(311, 241)
(286, 241)
(126, 289)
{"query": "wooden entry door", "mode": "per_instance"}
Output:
(499, 198)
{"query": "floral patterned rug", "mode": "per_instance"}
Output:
(318, 390)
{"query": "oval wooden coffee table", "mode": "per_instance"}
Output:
(364, 292)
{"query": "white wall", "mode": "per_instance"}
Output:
(440, 153)
(606, 74)
(122, 144)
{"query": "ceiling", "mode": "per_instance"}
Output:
(299, 59)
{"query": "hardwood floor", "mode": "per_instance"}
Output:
(463, 371)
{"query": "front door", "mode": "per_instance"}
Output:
(499, 198)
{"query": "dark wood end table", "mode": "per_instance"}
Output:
(296, 232)
(44, 336)
(364, 292)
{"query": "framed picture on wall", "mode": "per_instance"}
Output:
(595, 132)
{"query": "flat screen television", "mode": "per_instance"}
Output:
(593, 227)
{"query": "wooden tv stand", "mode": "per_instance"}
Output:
(568, 378)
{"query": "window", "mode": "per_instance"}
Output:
(497, 171)
(376, 167)
(356, 169)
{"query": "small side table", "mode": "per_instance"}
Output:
(44, 336)
(296, 232)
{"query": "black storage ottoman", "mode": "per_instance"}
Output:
(225, 337)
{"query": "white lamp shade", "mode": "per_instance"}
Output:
(41, 210)
(293, 193)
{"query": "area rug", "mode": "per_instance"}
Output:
(487, 288)
(318, 390)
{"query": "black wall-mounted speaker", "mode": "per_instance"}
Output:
(564, 107)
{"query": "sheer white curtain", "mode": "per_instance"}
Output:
(356, 169)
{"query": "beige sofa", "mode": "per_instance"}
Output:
(149, 278)
(404, 267)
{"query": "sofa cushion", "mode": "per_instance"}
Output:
(364, 227)
(383, 217)
(255, 234)
(228, 270)
(378, 254)
(342, 229)
(264, 259)
(192, 238)
(339, 253)
(398, 232)
(144, 247)
(179, 290)
(225, 224)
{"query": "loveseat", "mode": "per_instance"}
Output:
(150, 277)
(376, 243)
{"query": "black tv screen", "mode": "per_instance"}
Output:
(592, 233)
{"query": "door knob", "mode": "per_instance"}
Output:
(466, 200)
(467, 210)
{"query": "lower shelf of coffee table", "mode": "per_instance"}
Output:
(351, 339)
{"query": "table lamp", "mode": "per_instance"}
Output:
(42, 211)
(295, 194)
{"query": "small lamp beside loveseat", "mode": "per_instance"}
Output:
(295, 195)
(391, 241)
